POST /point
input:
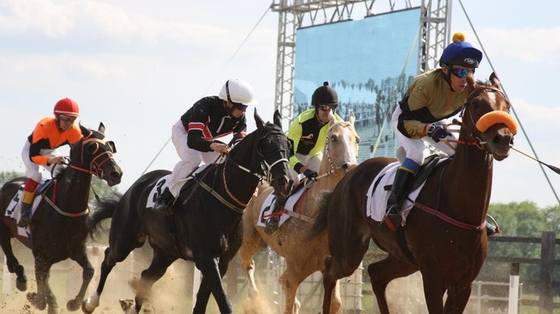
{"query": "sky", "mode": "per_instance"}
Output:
(137, 66)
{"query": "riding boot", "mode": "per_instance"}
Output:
(392, 219)
(164, 203)
(27, 200)
(271, 224)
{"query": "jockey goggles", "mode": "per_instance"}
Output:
(460, 73)
(237, 105)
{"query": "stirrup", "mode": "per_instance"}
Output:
(25, 219)
(391, 221)
(271, 225)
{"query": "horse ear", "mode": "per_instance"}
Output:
(277, 118)
(351, 117)
(85, 131)
(258, 120)
(101, 127)
(495, 81)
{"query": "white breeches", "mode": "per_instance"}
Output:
(33, 170)
(190, 158)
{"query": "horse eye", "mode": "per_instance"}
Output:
(358, 140)
(333, 138)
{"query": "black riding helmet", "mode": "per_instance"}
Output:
(325, 95)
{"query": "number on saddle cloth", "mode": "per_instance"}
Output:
(14, 207)
(159, 186)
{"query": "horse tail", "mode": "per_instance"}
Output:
(320, 224)
(104, 209)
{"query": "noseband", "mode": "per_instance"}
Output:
(96, 164)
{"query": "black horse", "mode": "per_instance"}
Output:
(59, 225)
(206, 226)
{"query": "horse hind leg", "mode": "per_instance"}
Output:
(87, 275)
(160, 262)
(457, 299)
(383, 272)
(11, 261)
(109, 261)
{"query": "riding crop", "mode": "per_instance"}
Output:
(551, 167)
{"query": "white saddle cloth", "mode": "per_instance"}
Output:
(289, 206)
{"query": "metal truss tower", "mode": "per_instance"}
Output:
(294, 14)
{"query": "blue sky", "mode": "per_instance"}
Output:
(138, 65)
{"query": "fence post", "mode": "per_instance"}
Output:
(513, 302)
(547, 272)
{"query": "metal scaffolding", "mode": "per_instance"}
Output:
(294, 14)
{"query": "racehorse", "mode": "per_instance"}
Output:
(206, 226)
(339, 156)
(444, 237)
(59, 225)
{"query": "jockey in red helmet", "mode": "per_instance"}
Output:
(40, 149)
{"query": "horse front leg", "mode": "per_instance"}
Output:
(457, 299)
(212, 280)
(44, 294)
(87, 275)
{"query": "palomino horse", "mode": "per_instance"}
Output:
(206, 226)
(444, 237)
(59, 226)
(339, 155)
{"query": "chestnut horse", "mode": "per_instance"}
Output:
(444, 237)
(59, 226)
(339, 156)
(206, 225)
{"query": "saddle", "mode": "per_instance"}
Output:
(427, 167)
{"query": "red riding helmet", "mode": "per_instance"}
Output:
(67, 107)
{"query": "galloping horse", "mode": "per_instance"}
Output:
(59, 228)
(339, 155)
(207, 220)
(444, 237)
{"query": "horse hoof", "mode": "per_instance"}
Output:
(33, 299)
(126, 304)
(21, 285)
(73, 305)
(87, 308)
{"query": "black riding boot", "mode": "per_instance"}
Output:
(392, 219)
(164, 202)
(25, 219)
(271, 224)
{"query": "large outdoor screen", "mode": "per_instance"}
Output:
(369, 62)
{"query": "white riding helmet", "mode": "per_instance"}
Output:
(238, 91)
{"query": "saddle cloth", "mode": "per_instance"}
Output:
(157, 189)
(14, 209)
(376, 203)
(289, 206)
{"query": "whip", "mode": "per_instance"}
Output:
(551, 167)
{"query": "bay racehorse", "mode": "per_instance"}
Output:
(339, 156)
(59, 225)
(206, 226)
(444, 237)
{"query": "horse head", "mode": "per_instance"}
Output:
(273, 149)
(486, 118)
(93, 154)
(341, 146)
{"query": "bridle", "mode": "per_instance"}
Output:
(267, 162)
(96, 164)
(334, 167)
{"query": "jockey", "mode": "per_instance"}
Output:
(40, 149)
(308, 134)
(432, 97)
(195, 134)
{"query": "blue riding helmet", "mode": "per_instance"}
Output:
(460, 52)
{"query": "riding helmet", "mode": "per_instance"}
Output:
(238, 91)
(67, 107)
(460, 52)
(324, 95)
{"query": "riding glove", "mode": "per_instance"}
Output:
(437, 131)
(310, 174)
